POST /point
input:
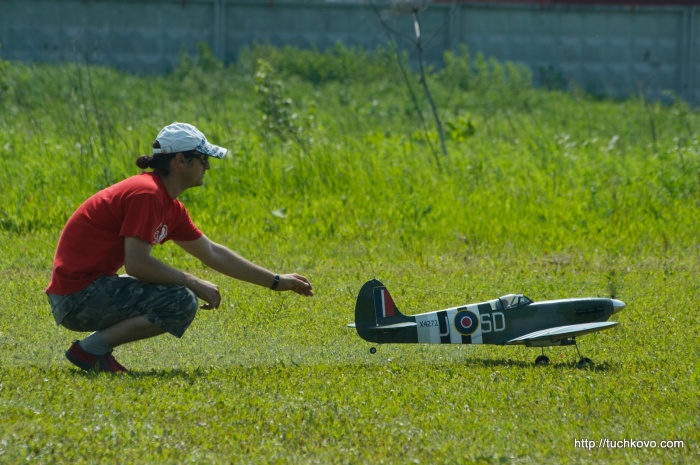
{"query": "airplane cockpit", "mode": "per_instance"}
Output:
(514, 301)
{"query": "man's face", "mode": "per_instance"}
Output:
(199, 165)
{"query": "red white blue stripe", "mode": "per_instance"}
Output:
(383, 304)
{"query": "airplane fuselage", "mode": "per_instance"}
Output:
(497, 321)
(490, 323)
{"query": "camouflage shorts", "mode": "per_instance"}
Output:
(111, 299)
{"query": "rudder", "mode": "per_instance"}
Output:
(375, 308)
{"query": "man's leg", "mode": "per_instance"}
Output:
(129, 330)
(96, 349)
(123, 309)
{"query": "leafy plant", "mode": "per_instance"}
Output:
(338, 63)
(278, 118)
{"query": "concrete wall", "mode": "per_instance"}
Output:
(613, 50)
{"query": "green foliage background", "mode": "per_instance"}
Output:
(333, 174)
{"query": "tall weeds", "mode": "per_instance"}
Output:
(324, 149)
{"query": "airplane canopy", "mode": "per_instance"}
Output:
(514, 301)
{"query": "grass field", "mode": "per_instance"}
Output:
(333, 174)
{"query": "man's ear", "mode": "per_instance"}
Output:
(180, 158)
(177, 163)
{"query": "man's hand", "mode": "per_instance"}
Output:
(207, 291)
(296, 283)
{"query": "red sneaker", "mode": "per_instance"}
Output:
(87, 361)
(109, 363)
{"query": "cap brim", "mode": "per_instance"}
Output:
(212, 150)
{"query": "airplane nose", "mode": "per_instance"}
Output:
(618, 305)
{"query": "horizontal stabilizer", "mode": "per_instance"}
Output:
(562, 332)
(394, 327)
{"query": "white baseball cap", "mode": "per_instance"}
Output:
(183, 137)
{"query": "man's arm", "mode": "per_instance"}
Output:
(139, 263)
(228, 262)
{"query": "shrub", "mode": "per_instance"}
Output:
(338, 63)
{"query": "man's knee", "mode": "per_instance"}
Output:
(176, 311)
(190, 304)
(184, 306)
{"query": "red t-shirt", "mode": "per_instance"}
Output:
(92, 242)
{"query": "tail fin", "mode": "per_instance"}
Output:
(376, 315)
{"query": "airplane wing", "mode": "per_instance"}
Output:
(388, 328)
(561, 332)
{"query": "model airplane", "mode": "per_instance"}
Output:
(509, 320)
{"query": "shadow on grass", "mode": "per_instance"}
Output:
(505, 363)
(165, 374)
(198, 373)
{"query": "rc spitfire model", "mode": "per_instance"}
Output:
(509, 320)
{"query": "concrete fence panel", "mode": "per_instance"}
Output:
(613, 49)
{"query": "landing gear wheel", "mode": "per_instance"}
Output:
(373, 350)
(585, 362)
(542, 360)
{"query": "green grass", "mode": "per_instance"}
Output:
(554, 195)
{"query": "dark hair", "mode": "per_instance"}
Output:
(160, 163)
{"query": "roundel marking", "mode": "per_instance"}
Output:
(466, 322)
